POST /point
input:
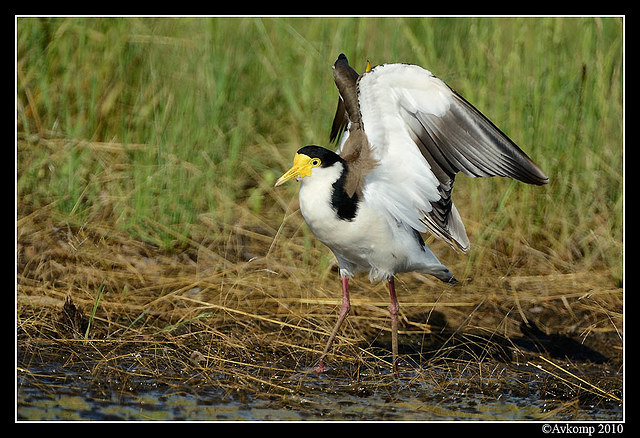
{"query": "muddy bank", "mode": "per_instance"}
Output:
(189, 374)
(111, 328)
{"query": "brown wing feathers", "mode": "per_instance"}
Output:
(355, 151)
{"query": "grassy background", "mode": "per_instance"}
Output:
(147, 149)
(172, 123)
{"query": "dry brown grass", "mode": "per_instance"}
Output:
(247, 314)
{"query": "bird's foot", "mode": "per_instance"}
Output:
(319, 368)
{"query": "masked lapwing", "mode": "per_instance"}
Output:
(403, 136)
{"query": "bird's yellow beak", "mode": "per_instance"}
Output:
(301, 168)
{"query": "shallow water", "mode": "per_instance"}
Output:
(53, 392)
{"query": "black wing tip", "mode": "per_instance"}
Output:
(529, 175)
(337, 129)
(342, 60)
(532, 174)
(542, 179)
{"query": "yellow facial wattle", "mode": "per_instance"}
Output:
(302, 165)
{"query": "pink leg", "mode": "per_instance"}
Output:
(344, 311)
(393, 310)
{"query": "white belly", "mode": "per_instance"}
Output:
(366, 243)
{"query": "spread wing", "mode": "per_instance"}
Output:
(422, 133)
(346, 79)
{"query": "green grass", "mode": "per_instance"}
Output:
(171, 128)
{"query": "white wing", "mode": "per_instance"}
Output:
(422, 133)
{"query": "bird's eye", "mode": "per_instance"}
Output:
(315, 162)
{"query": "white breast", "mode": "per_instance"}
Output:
(366, 243)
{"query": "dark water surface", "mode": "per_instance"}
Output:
(56, 392)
